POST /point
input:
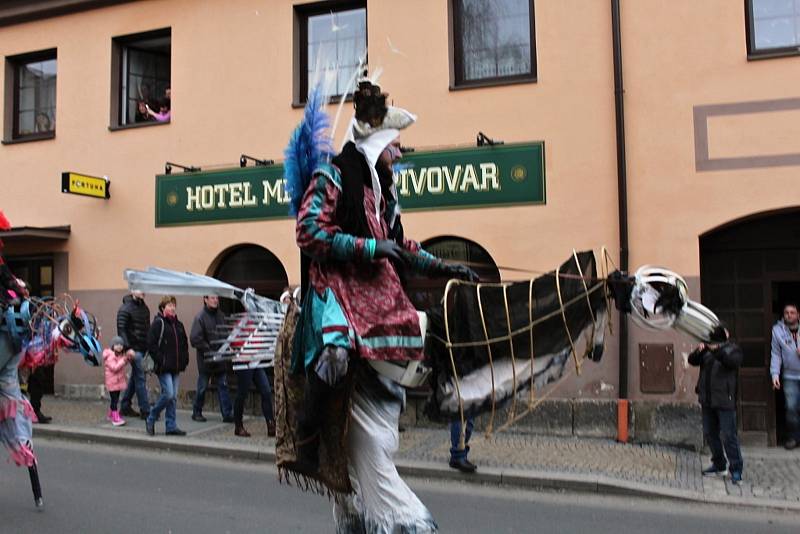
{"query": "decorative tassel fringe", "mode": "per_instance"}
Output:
(9, 409)
(308, 484)
(23, 456)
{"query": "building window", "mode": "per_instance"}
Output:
(33, 94)
(141, 67)
(332, 40)
(773, 27)
(493, 42)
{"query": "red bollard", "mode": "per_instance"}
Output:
(622, 420)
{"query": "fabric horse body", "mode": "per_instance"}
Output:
(502, 334)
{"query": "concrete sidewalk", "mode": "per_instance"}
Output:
(771, 476)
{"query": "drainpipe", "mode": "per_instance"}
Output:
(622, 189)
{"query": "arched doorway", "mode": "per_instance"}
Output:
(251, 266)
(749, 269)
(425, 291)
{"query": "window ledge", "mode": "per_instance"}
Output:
(29, 139)
(772, 54)
(333, 100)
(137, 125)
(492, 83)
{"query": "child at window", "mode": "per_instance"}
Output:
(163, 114)
(114, 360)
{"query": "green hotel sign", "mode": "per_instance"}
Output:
(459, 178)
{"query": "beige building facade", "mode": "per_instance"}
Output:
(710, 143)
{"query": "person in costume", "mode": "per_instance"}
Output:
(16, 413)
(355, 313)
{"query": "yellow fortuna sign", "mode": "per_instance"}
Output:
(81, 184)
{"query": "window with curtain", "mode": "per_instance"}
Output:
(333, 38)
(143, 89)
(34, 95)
(773, 27)
(493, 41)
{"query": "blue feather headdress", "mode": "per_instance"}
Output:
(309, 145)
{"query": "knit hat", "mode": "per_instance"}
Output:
(116, 340)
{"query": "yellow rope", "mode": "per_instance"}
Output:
(604, 274)
(450, 283)
(491, 361)
(513, 360)
(561, 381)
(588, 302)
(517, 331)
(532, 392)
(566, 326)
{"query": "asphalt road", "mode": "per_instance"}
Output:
(93, 488)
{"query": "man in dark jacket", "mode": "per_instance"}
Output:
(719, 363)
(167, 343)
(204, 333)
(133, 321)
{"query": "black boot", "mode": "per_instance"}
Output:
(42, 418)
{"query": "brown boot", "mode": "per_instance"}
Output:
(241, 431)
(271, 429)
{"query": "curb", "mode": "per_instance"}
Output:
(530, 479)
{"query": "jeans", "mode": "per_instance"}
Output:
(136, 384)
(243, 380)
(457, 453)
(791, 391)
(222, 392)
(719, 429)
(168, 399)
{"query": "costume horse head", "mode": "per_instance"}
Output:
(61, 324)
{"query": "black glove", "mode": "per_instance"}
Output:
(462, 272)
(386, 248)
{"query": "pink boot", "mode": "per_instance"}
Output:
(110, 416)
(116, 418)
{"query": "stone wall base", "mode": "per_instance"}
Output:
(659, 422)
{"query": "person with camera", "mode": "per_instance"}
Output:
(169, 347)
(204, 334)
(719, 361)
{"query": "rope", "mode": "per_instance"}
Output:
(453, 363)
(531, 393)
(513, 360)
(514, 333)
(588, 301)
(604, 273)
(516, 269)
(541, 399)
(566, 326)
(491, 363)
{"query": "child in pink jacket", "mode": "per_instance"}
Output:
(114, 360)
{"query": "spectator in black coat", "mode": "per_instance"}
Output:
(167, 343)
(133, 322)
(719, 363)
(204, 333)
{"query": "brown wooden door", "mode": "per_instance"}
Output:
(783, 289)
(739, 265)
